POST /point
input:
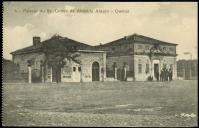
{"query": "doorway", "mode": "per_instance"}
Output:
(56, 74)
(156, 71)
(95, 71)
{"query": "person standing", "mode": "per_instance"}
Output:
(170, 74)
(166, 75)
(161, 75)
(157, 75)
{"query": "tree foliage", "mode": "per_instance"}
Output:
(56, 51)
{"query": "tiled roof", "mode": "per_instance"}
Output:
(141, 38)
(66, 42)
(28, 49)
(136, 38)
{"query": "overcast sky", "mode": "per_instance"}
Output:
(171, 22)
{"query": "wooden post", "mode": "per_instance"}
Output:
(29, 75)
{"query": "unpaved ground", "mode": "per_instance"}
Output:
(101, 104)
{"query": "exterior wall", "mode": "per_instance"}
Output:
(145, 48)
(48, 74)
(120, 60)
(143, 60)
(161, 60)
(123, 48)
(68, 74)
(87, 59)
(142, 48)
(168, 49)
(120, 54)
(22, 59)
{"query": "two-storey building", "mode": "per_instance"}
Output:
(143, 56)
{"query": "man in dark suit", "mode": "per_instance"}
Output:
(170, 74)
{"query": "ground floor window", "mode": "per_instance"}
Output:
(74, 69)
(79, 69)
(139, 68)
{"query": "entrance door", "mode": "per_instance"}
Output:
(156, 71)
(56, 74)
(95, 71)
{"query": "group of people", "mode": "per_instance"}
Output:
(165, 74)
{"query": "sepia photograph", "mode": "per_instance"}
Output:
(100, 64)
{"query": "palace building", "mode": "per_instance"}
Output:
(135, 57)
(142, 56)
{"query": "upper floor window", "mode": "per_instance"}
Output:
(139, 46)
(113, 48)
(74, 69)
(171, 49)
(79, 69)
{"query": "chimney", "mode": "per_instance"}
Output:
(36, 40)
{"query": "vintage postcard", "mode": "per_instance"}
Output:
(119, 64)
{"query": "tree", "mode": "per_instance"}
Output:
(55, 53)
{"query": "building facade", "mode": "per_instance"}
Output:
(131, 58)
(91, 68)
(143, 57)
(91, 65)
